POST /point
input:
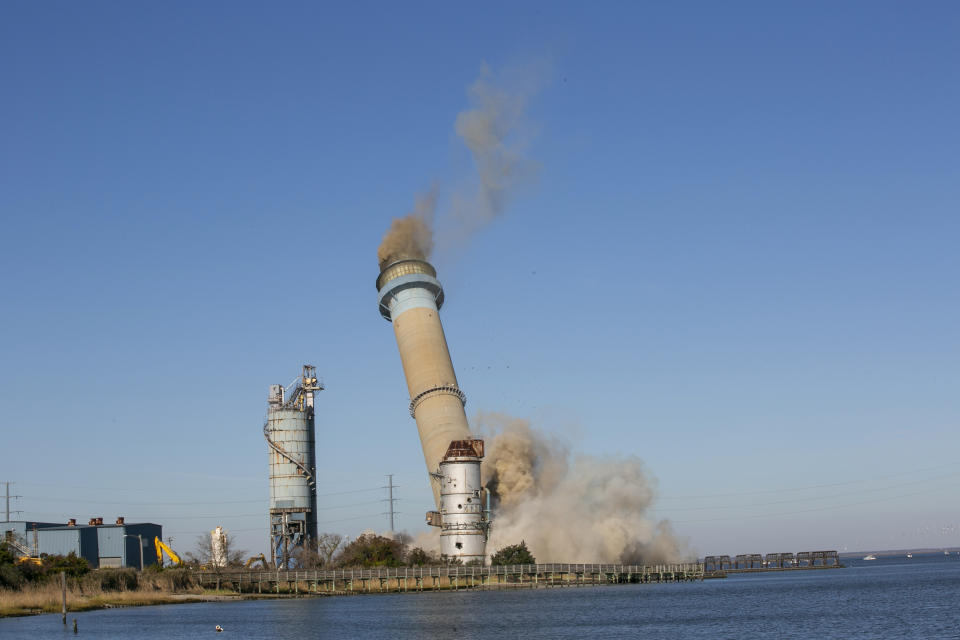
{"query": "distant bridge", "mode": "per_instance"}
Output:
(755, 562)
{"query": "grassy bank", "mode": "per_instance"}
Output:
(47, 599)
(107, 588)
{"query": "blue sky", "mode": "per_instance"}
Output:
(739, 261)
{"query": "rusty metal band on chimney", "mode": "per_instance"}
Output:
(447, 389)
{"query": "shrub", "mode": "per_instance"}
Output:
(70, 563)
(514, 554)
(417, 557)
(371, 550)
(112, 580)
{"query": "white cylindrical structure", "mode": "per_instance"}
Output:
(463, 529)
(218, 547)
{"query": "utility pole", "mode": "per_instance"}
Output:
(390, 487)
(8, 501)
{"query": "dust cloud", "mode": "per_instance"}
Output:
(569, 508)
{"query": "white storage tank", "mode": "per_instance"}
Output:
(463, 520)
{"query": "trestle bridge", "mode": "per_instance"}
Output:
(406, 579)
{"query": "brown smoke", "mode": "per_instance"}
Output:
(410, 236)
(495, 132)
(585, 509)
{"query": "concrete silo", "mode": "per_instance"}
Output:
(290, 434)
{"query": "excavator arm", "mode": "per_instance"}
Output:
(259, 558)
(161, 547)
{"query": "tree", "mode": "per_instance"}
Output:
(370, 550)
(514, 554)
(319, 553)
(417, 557)
(306, 556)
(327, 546)
(14, 573)
(10, 574)
(70, 563)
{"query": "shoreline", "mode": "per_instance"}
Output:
(101, 592)
(125, 599)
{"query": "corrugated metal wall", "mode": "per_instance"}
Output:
(106, 542)
(23, 529)
(60, 542)
(110, 543)
(148, 531)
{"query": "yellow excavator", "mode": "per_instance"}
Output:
(260, 557)
(161, 547)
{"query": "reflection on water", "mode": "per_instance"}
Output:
(881, 599)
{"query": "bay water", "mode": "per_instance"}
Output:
(888, 598)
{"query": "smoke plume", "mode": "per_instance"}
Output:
(494, 131)
(575, 509)
(410, 236)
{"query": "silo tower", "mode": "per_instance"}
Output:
(290, 434)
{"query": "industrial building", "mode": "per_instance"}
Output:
(117, 544)
(291, 446)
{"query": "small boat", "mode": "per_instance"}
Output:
(909, 555)
(870, 557)
(946, 553)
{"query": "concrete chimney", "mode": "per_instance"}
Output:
(410, 298)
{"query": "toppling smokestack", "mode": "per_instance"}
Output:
(495, 132)
(410, 298)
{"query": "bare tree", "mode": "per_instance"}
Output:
(327, 546)
(306, 557)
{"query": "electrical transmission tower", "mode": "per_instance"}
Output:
(390, 500)
(8, 496)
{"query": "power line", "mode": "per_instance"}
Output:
(192, 503)
(141, 502)
(372, 515)
(810, 498)
(806, 488)
(157, 490)
(232, 487)
(349, 519)
(343, 493)
(794, 512)
(184, 504)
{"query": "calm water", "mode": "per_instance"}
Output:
(887, 598)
